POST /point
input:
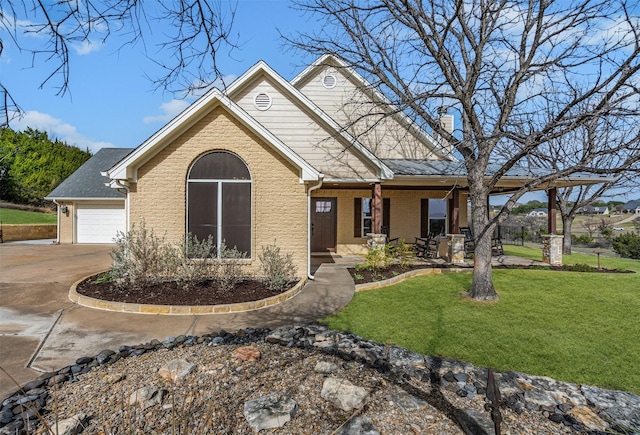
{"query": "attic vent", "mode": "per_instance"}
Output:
(262, 101)
(329, 81)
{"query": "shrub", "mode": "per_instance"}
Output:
(192, 261)
(140, 258)
(277, 269)
(627, 245)
(581, 239)
(404, 253)
(229, 268)
(378, 257)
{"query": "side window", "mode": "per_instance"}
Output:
(363, 216)
(219, 200)
(433, 217)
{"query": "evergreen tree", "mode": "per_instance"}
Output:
(32, 165)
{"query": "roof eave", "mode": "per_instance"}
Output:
(82, 198)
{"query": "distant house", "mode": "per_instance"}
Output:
(591, 210)
(632, 207)
(538, 212)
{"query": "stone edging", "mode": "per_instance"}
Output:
(404, 276)
(125, 307)
(587, 409)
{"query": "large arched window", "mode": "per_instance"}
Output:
(219, 200)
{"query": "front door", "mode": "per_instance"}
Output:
(323, 224)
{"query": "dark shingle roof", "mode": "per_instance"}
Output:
(87, 182)
(419, 167)
(631, 205)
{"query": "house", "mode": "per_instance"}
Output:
(270, 160)
(538, 212)
(592, 211)
(632, 207)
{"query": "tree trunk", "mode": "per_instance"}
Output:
(566, 231)
(482, 287)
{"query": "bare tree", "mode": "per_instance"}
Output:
(193, 33)
(499, 63)
(619, 132)
(591, 226)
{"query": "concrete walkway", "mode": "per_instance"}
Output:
(41, 330)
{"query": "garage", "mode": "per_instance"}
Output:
(99, 223)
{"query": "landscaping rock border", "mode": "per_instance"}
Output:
(585, 408)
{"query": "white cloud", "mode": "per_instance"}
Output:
(86, 47)
(169, 110)
(58, 129)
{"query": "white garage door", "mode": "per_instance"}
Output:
(99, 223)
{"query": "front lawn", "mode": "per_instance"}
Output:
(575, 327)
(11, 216)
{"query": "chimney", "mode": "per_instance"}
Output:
(446, 122)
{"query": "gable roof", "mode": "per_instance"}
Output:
(127, 168)
(263, 68)
(403, 119)
(87, 182)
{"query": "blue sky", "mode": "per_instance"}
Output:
(112, 102)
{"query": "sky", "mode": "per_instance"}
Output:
(111, 100)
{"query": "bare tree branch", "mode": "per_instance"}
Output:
(521, 74)
(199, 31)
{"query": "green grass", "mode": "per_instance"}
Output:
(11, 216)
(575, 327)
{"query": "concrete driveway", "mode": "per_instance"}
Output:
(42, 330)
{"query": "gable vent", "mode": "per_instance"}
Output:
(329, 81)
(262, 101)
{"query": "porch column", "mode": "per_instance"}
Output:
(551, 212)
(455, 212)
(376, 208)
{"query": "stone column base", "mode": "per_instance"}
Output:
(552, 249)
(455, 251)
(376, 240)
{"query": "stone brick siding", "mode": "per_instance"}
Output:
(28, 232)
(279, 200)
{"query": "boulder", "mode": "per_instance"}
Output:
(271, 411)
(343, 393)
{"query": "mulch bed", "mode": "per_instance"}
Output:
(363, 276)
(170, 293)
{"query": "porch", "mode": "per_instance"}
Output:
(350, 261)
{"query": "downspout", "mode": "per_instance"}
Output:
(311, 189)
(123, 187)
(58, 226)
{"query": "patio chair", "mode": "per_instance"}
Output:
(426, 248)
(496, 243)
(469, 242)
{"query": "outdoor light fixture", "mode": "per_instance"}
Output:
(64, 209)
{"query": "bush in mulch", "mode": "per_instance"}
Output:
(362, 275)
